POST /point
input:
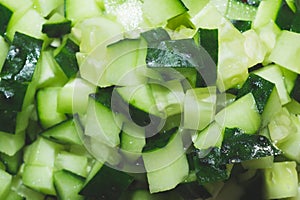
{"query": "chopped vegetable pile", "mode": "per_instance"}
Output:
(149, 99)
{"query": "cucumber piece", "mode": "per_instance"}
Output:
(17, 5)
(77, 164)
(42, 153)
(209, 137)
(267, 11)
(12, 163)
(73, 96)
(194, 6)
(199, 108)
(168, 177)
(64, 132)
(159, 157)
(242, 113)
(49, 72)
(261, 163)
(39, 177)
(238, 10)
(11, 143)
(140, 97)
(159, 11)
(274, 74)
(6, 15)
(208, 39)
(66, 58)
(281, 181)
(168, 96)
(47, 107)
(96, 33)
(67, 185)
(28, 22)
(107, 183)
(76, 10)
(22, 58)
(46, 7)
(57, 28)
(124, 53)
(6, 180)
(285, 51)
(265, 94)
(101, 123)
(232, 71)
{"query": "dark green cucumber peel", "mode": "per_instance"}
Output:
(22, 58)
(260, 88)
(159, 140)
(241, 25)
(108, 184)
(8, 121)
(12, 163)
(192, 190)
(295, 93)
(155, 36)
(285, 17)
(17, 72)
(12, 94)
(182, 54)
(4, 18)
(237, 147)
(65, 56)
(58, 29)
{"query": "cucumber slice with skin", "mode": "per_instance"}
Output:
(242, 113)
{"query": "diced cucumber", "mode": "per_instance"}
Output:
(39, 177)
(67, 185)
(96, 33)
(242, 114)
(240, 11)
(101, 123)
(199, 108)
(46, 7)
(140, 96)
(76, 164)
(266, 12)
(281, 181)
(49, 73)
(65, 56)
(124, 53)
(261, 163)
(160, 158)
(265, 94)
(273, 74)
(12, 163)
(42, 153)
(159, 11)
(47, 107)
(5, 179)
(209, 17)
(65, 132)
(285, 52)
(169, 176)
(77, 11)
(73, 96)
(232, 70)
(29, 22)
(108, 183)
(13, 195)
(16, 5)
(168, 96)
(194, 6)
(211, 136)
(11, 143)
(132, 141)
